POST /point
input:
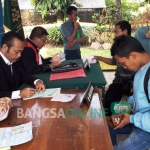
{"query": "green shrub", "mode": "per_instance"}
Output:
(54, 37)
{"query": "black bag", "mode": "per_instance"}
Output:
(68, 67)
(44, 68)
(127, 85)
(146, 78)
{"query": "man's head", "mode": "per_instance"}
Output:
(12, 45)
(128, 51)
(122, 28)
(39, 36)
(72, 13)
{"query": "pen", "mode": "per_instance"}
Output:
(14, 123)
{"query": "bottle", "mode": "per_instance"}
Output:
(78, 35)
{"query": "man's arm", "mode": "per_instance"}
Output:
(106, 60)
(5, 94)
(71, 43)
(28, 60)
(73, 35)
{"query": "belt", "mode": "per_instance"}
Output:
(73, 50)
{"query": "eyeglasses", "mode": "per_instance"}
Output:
(43, 40)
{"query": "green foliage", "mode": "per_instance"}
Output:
(45, 5)
(128, 9)
(54, 37)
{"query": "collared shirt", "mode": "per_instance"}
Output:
(121, 73)
(67, 29)
(15, 94)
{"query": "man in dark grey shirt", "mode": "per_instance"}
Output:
(123, 78)
(72, 34)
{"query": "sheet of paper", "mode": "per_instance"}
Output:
(3, 114)
(68, 75)
(63, 97)
(12, 136)
(5, 148)
(89, 58)
(47, 93)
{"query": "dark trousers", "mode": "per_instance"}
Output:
(113, 94)
(72, 54)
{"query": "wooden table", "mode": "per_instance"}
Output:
(69, 133)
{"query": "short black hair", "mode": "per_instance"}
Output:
(70, 9)
(9, 37)
(124, 45)
(124, 25)
(38, 32)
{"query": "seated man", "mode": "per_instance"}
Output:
(12, 76)
(30, 58)
(5, 105)
(143, 35)
(129, 52)
(123, 78)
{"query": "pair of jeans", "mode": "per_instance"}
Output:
(138, 139)
(72, 54)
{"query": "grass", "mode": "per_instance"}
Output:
(85, 51)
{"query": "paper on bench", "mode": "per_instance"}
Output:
(12, 136)
(89, 58)
(63, 97)
(47, 93)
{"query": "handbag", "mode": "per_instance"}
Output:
(44, 68)
(127, 85)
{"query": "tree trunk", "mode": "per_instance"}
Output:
(60, 16)
(120, 15)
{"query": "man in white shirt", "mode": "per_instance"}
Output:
(12, 76)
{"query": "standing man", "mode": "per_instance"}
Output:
(72, 34)
(123, 78)
(12, 75)
(31, 58)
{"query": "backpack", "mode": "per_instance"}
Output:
(146, 78)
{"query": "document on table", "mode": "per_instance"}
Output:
(63, 97)
(47, 93)
(67, 75)
(89, 58)
(11, 136)
(5, 148)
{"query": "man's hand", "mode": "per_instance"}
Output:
(6, 100)
(76, 25)
(70, 44)
(3, 108)
(56, 58)
(125, 121)
(95, 57)
(40, 87)
(27, 92)
(55, 64)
